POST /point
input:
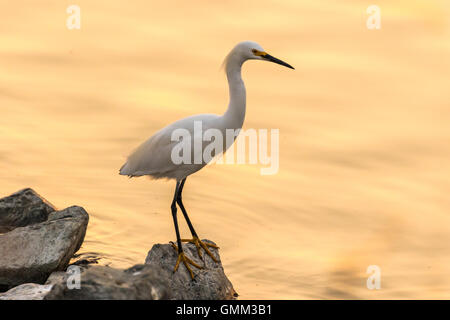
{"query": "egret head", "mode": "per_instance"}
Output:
(249, 50)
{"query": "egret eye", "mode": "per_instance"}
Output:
(254, 51)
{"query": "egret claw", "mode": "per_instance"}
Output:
(186, 261)
(200, 244)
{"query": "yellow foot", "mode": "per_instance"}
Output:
(186, 261)
(200, 244)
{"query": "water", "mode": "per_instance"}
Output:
(364, 138)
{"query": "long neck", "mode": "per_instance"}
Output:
(235, 114)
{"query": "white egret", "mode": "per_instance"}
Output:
(154, 157)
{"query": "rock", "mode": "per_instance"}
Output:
(153, 281)
(27, 291)
(23, 208)
(62, 276)
(33, 252)
(37, 243)
(140, 282)
(209, 283)
(57, 277)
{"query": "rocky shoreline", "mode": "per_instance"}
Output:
(38, 244)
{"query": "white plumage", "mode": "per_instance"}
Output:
(154, 157)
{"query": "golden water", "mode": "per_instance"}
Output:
(364, 135)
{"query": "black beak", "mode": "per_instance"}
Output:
(268, 57)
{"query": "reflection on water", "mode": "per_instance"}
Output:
(364, 172)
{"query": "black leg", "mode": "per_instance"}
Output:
(174, 216)
(180, 203)
(195, 239)
(181, 256)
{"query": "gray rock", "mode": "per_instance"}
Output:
(210, 283)
(32, 253)
(62, 276)
(152, 281)
(23, 208)
(27, 291)
(37, 243)
(140, 282)
(57, 277)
